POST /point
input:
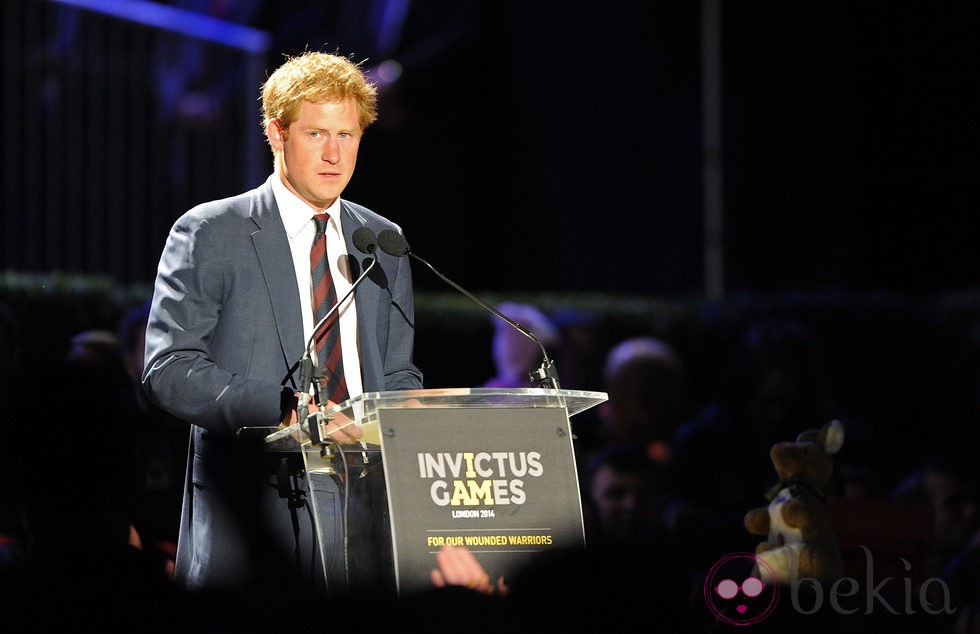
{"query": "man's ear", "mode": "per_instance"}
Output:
(276, 134)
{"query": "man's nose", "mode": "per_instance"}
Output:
(331, 151)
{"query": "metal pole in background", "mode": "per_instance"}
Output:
(711, 160)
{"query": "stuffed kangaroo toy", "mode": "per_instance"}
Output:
(796, 523)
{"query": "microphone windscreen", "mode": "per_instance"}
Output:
(364, 240)
(393, 243)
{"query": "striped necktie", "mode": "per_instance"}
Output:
(330, 361)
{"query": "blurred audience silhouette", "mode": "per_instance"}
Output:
(78, 497)
(12, 397)
(161, 443)
(949, 492)
(515, 356)
(585, 341)
(622, 495)
(647, 382)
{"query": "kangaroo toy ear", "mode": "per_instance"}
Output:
(831, 437)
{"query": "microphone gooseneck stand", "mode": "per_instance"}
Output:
(546, 376)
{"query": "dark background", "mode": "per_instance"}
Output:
(528, 146)
(541, 151)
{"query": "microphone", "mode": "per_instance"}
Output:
(394, 243)
(366, 242)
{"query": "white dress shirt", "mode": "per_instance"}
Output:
(297, 216)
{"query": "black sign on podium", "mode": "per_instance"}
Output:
(489, 470)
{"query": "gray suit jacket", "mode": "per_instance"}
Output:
(224, 331)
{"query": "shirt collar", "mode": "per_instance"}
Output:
(296, 214)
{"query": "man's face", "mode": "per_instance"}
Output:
(615, 495)
(955, 511)
(318, 151)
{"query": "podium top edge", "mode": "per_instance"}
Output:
(363, 408)
(574, 400)
(486, 391)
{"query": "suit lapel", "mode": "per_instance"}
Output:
(366, 294)
(276, 260)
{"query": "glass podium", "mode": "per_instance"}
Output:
(489, 470)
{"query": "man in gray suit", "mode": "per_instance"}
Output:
(230, 318)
